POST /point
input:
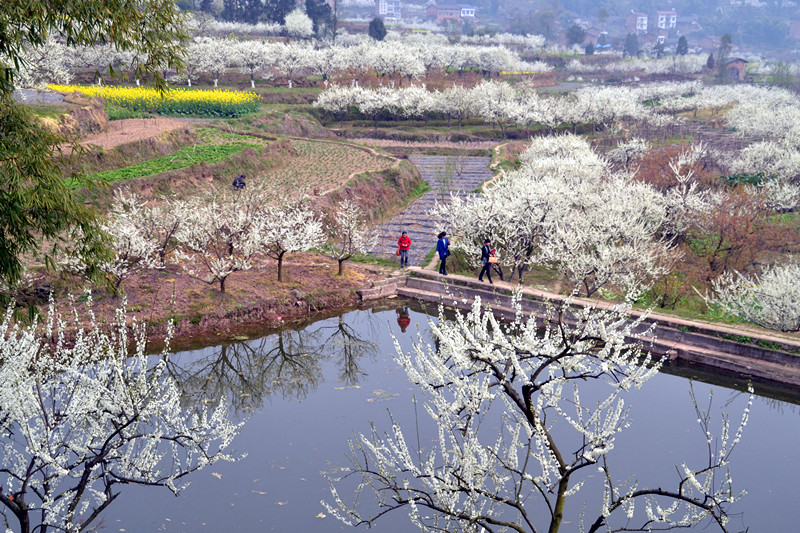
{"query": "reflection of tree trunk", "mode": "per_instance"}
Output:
(558, 511)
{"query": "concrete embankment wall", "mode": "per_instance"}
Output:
(752, 354)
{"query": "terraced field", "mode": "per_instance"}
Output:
(416, 219)
(323, 166)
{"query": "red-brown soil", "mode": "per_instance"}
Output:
(254, 301)
(131, 129)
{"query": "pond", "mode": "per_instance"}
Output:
(307, 391)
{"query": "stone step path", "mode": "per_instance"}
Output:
(467, 174)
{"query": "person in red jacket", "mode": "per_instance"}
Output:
(404, 243)
(403, 320)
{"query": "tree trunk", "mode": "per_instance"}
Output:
(222, 284)
(215, 82)
(280, 266)
(252, 82)
(341, 266)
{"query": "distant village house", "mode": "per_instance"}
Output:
(666, 20)
(735, 67)
(636, 23)
(387, 8)
(450, 12)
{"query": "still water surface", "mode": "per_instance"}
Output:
(309, 390)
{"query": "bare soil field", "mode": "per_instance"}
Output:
(132, 129)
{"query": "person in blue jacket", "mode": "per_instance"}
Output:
(486, 253)
(443, 249)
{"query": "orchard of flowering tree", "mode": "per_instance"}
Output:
(676, 195)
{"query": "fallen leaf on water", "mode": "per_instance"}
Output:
(348, 387)
(281, 503)
(258, 492)
(218, 476)
(321, 515)
(381, 395)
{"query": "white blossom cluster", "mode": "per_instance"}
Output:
(566, 208)
(685, 64)
(414, 56)
(85, 412)
(210, 25)
(502, 104)
(511, 429)
(348, 233)
(132, 242)
(771, 300)
(215, 235)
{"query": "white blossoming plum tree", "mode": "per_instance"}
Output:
(291, 227)
(82, 417)
(513, 439)
(566, 209)
(298, 24)
(134, 249)
(348, 232)
(219, 233)
(771, 300)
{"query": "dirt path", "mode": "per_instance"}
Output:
(132, 129)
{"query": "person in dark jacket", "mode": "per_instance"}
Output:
(238, 183)
(404, 244)
(443, 249)
(486, 253)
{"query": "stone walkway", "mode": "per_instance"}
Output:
(416, 218)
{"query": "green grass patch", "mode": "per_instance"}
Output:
(120, 113)
(49, 110)
(375, 260)
(184, 157)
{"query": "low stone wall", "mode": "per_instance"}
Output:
(765, 357)
(384, 288)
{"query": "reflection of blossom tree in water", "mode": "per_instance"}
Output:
(80, 418)
(517, 433)
(287, 363)
(348, 346)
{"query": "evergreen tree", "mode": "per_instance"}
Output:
(376, 29)
(710, 63)
(253, 10)
(683, 46)
(276, 10)
(233, 10)
(631, 45)
(575, 34)
(589, 50)
(723, 53)
(321, 15)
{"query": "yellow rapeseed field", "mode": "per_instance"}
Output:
(217, 103)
